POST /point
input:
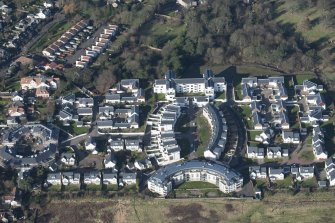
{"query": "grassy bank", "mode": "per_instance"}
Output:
(204, 134)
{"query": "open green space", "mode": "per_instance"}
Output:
(252, 135)
(93, 187)
(204, 134)
(80, 130)
(305, 125)
(289, 15)
(158, 32)
(256, 70)
(160, 97)
(196, 185)
(292, 113)
(4, 101)
(110, 187)
(52, 35)
(261, 183)
(238, 92)
(245, 110)
(286, 183)
(307, 155)
(221, 96)
(72, 187)
(14, 86)
(312, 182)
(55, 188)
(301, 77)
(309, 139)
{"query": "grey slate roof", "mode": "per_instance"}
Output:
(132, 142)
(190, 81)
(164, 173)
(113, 97)
(273, 171)
(82, 111)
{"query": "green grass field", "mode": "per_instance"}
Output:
(196, 185)
(301, 77)
(221, 95)
(52, 35)
(204, 134)
(307, 155)
(287, 182)
(157, 33)
(160, 97)
(296, 18)
(292, 113)
(252, 135)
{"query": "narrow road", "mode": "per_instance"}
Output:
(71, 59)
(228, 108)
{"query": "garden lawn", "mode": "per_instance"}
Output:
(196, 185)
(204, 134)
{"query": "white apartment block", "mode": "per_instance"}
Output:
(226, 179)
(208, 85)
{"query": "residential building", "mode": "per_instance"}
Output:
(109, 32)
(255, 152)
(70, 178)
(132, 144)
(10, 152)
(208, 85)
(274, 152)
(257, 172)
(218, 135)
(330, 171)
(116, 144)
(306, 171)
(92, 177)
(128, 178)
(164, 179)
(276, 173)
(84, 102)
(110, 161)
(291, 137)
(54, 178)
(90, 144)
(109, 178)
(65, 38)
(122, 118)
(318, 144)
(68, 159)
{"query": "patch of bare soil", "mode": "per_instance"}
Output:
(193, 212)
(69, 212)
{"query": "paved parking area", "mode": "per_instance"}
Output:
(71, 59)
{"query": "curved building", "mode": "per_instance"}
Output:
(166, 178)
(218, 137)
(29, 145)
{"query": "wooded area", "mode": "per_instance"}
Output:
(288, 36)
(217, 34)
